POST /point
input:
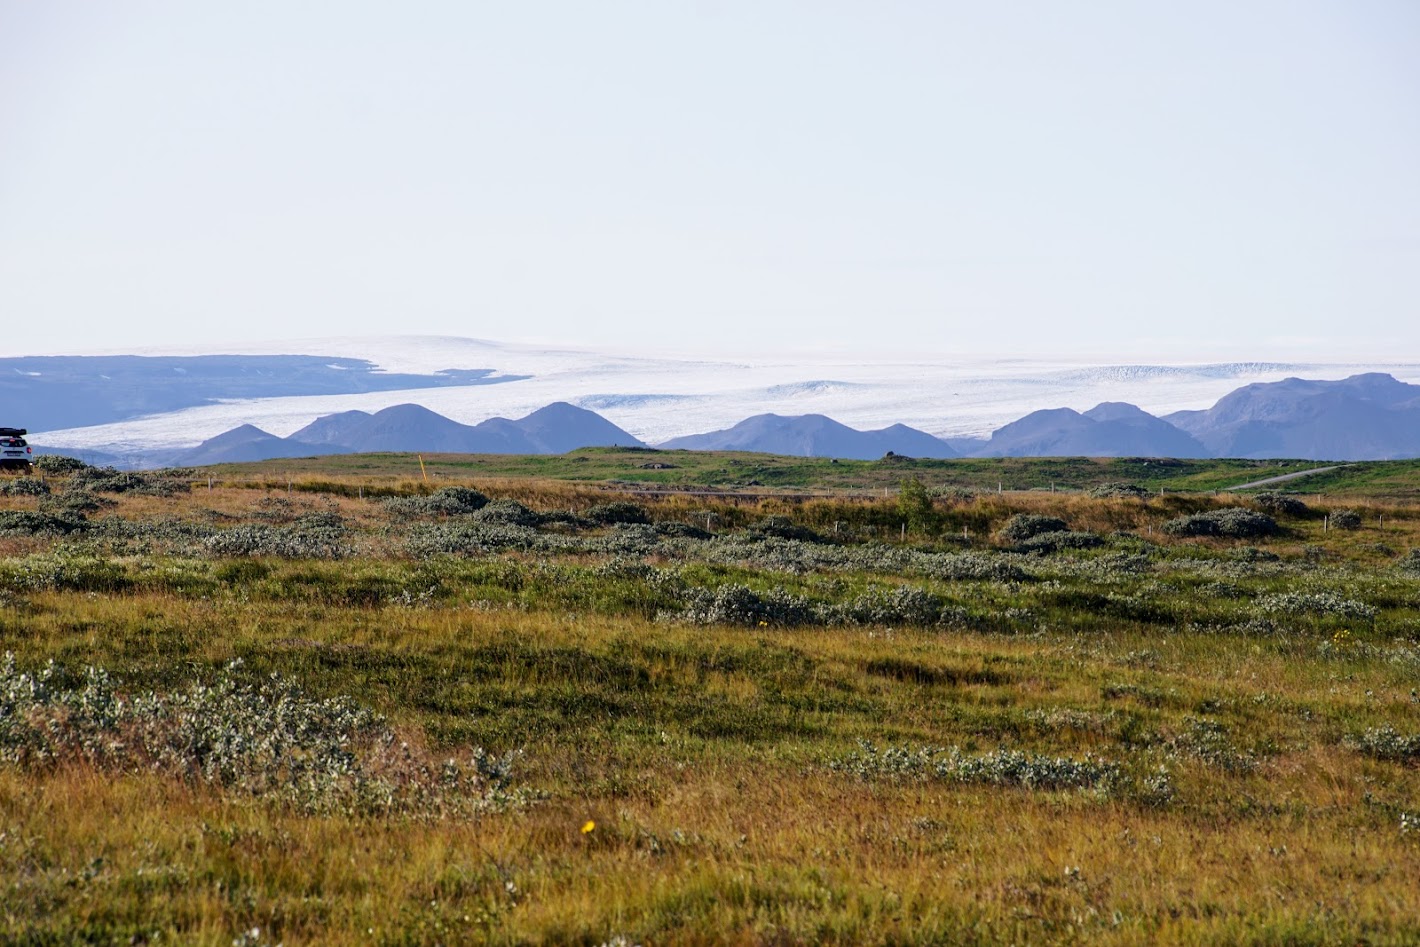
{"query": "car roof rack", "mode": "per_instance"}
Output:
(13, 432)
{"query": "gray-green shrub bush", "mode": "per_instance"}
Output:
(31, 522)
(1232, 522)
(58, 463)
(446, 501)
(606, 514)
(997, 768)
(262, 738)
(23, 487)
(1118, 490)
(1023, 526)
(1280, 504)
(1345, 519)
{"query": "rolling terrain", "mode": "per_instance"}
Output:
(349, 705)
(655, 397)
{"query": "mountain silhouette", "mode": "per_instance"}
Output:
(1111, 429)
(813, 435)
(412, 428)
(248, 443)
(1363, 417)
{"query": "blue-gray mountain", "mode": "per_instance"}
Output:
(554, 429)
(52, 392)
(1364, 417)
(1111, 429)
(813, 435)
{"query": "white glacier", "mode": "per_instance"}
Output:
(657, 396)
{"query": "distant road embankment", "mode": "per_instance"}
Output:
(1285, 477)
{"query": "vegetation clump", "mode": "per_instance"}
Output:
(58, 464)
(1316, 603)
(735, 604)
(31, 522)
(1231, 522)
(315, 536)
(506, 513)
(264, 738)
(1108, 491)
(24, 487)
(1055, 541)
(1345, 519)
(997, 768)
(1387, 743)
(1280, 504)
(606, 514)
(781, 527)
(74, 504)
(446, 501)
(1025, 526)
(110, 480)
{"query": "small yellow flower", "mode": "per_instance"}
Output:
(588, 826)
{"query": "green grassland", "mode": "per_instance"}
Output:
(737, 470)
(932, 716)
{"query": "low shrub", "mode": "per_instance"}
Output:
(606, 514)
(58, 464)
(903, 605)
(1232, 522)
(1315, 603)
(30, 523)
(446, 501)
(781, 527)
(681, 531)
(74, 504)
(65, 570)
(317, 536)
(110, 480)
(1024, 526)
(1111, 490)
(1345, 519)
(262, 738)
(1387, 743)
(23, 487)
(1280, 504)
(997, 768)
(974, 566)
(506, 513)
(740, 605)
(1051, 542)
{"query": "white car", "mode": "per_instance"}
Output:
(14, 452)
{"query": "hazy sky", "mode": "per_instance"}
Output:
(945, 176)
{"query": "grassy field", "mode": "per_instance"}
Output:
(371, 709)
(729, 470)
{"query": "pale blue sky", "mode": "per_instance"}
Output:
(1083, 177)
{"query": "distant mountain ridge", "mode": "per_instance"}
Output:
(1109, 429)
(555, 429)
(1363, 417)
(813, 435)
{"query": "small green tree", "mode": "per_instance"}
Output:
(915, 505)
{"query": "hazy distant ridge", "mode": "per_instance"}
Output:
(813, 435)
(1364, 417)
(554, 429)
